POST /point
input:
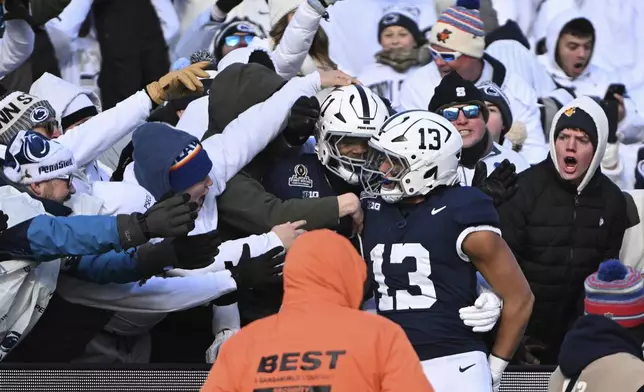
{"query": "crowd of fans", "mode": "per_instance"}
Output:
(235, 181)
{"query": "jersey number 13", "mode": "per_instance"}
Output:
(420, 278)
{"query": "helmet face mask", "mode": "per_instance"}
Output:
(343, 161)
(414, 153)
(382, 174)
(350, 116)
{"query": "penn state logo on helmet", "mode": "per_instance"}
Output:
(39, 114)
(34, 148)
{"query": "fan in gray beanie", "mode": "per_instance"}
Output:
(20, 111)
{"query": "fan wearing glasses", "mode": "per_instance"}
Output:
(460, 102)
(238, 33)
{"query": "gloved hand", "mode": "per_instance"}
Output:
(172, 217)
(484, 314)
(528, 351)
(187, 252)
(178, 84)
(301, 121)
(321, 5)
(17, 9)
(4, 219)
(497, 367)
(500, 185)
(256, 272)
(227, 5)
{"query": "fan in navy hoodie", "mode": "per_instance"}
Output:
(603, 351)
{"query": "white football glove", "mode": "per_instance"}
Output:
(213, 351)
(497, 367)
(484, 314)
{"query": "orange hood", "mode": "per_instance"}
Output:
(323, 266)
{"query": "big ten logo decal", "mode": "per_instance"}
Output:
(307, 361)
(310, 194)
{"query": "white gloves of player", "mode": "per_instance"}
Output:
(497, 367)
(484, 314)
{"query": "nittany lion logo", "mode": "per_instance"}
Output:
(39, 114)
(390, 19)
(244, 28)
(34, 148)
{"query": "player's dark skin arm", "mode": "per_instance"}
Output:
(490, 254)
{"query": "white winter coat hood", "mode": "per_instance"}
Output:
(60, 93)
(552, 38)
(595, 111)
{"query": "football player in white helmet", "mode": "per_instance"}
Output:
(349, 117)
(425, 237)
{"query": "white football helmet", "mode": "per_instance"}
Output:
(347, 113)
(414, 152)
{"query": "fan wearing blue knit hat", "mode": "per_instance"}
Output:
(603, 350)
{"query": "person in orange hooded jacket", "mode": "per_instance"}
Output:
(320, 340)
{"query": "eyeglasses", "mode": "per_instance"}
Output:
(470, 111)
(445, 56)
(234, 40)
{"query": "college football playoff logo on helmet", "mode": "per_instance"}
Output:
(39, 114)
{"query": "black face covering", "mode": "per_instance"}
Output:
(471, 155)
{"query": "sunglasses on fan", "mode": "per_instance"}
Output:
(445, 56)
(470, 111)
(234, 40)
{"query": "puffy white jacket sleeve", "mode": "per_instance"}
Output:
(156, 295)
(16, 45)
(290, 53)
(251, 132)
(64, 29)
(230, 251)
(92, 138)
(199, 35)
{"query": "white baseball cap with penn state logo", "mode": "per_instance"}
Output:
(32, 157)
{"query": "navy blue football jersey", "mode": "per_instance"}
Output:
(421, 276)
(304, 176)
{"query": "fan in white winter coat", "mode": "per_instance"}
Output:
(402, 51)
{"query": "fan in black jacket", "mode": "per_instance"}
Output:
(566, 218)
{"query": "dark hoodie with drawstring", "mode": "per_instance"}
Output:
(245, 207)
(603, 355)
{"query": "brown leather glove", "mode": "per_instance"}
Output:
(178, 84)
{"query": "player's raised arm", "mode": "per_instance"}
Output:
(492, 257)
